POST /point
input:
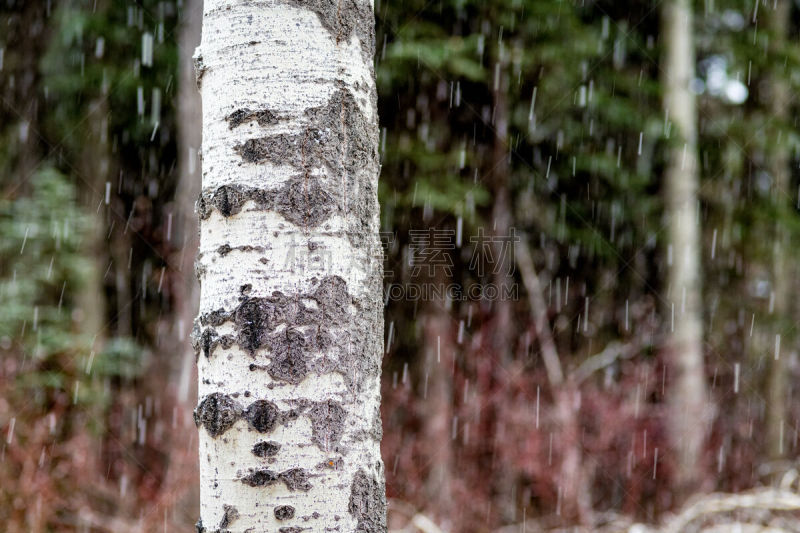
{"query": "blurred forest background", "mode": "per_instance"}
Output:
(537, 119)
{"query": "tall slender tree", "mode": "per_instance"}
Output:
(687, 397)
(440, 352)
(502, 336)
(777, 21)
(289, 334)
(188, 188)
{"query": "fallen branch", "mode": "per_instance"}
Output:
(764, 499)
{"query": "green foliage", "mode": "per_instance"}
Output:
(112, 69)
(455, 55)
(44, 267)
(579, 86)
(95, 67)
(120, 358)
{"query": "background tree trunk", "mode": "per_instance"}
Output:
(180, 483)
(437, 370)
(777, 20)
(502, 332)
(687, 396)
(186, 224)
(290, 328)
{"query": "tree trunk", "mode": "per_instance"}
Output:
(185, 221)
(778, 160)
(181, 496)
(439, 350)
(574, 485)
(684, 351)
(289, 333)
(502, 332)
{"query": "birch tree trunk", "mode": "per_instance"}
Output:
(687, 395)
(289, 333)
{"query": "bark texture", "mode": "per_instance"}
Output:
(289, 334)
(687, 396)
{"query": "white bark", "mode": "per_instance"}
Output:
(688, 416)
(290, 327)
